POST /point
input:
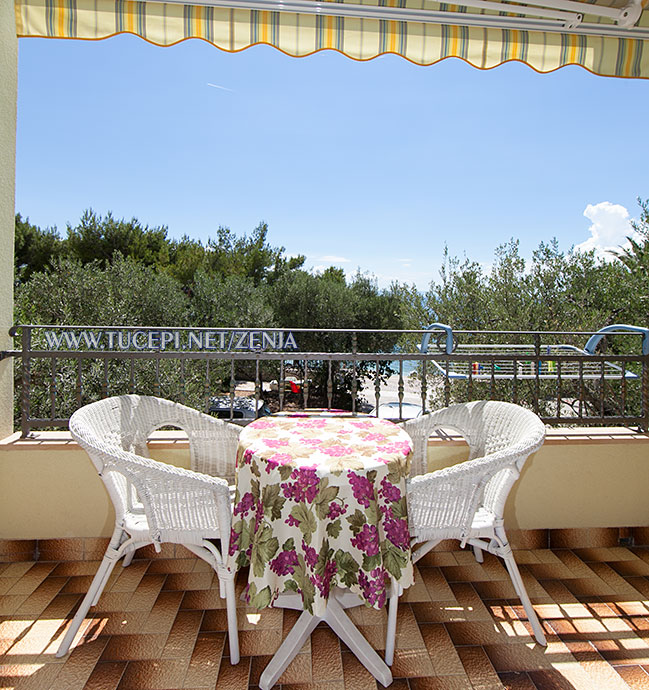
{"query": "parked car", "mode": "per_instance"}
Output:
(241, 408)
(292, 384)
(390, 410)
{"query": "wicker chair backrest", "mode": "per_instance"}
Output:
(491, 428)
(129, 421)
(125, 423)
(97, 427)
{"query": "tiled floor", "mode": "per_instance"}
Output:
(160, 624)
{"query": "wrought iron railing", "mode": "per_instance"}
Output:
(64, 367)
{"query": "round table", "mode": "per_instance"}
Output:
(320, 508)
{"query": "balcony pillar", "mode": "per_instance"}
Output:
(8, 101)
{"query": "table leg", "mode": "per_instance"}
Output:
(340, 623)
(292, 644)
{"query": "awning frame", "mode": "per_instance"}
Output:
(558, 16)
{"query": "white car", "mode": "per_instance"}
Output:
(242, 408)
(390, 410)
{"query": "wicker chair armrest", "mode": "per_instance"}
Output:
(440, 502)
(178, 475)
(176, 499)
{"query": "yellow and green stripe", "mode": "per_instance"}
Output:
(301, 35)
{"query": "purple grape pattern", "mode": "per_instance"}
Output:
(320, 504)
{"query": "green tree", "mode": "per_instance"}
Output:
(635, 258)
(249, 256)
(121, 292)
(460, 299)
(228, 301)
(34, 249)
(187, 257)
(305, 300)
(507, 296)
(97, 239)
(576, 291)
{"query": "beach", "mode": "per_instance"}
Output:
(390, 391)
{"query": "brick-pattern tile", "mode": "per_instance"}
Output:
(529, 538)
(95, 548)
(478, 668)
(162, 615)
(516, 681)
(61, 549)
(574, 538)
(440, 683)
(16, 550)
(80, 665)
(634, 676)
(234, 677)
(205, 661)
(145, 594)
(134, 647)
(106, 676)
(183, 634)
(30, 580)
(640, 536)
(154, 674)
(41, 597)
(356, 676)
(326, 660)
(161, 624)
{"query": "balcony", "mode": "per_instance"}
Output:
(577, 518)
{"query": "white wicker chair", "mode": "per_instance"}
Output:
(467, 501)
(155, 502)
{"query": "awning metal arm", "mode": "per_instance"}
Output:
(535, 15)
(569, 11)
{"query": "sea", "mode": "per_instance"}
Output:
(408, 366)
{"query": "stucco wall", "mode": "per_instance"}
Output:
(578, 479)
(49, 488)
(8, 95)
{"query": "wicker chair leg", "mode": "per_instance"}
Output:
(477, 552)
(128, 558)
(102, 585)
(116, 541)
(233, 632)
(507, 555)
(93, 594)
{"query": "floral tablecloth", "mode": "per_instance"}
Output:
(321, 502)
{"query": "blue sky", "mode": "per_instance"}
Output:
(370, 165)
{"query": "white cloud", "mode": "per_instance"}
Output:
(335, 259)
(609, 230)
(384, 269)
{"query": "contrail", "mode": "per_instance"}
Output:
(216, 86)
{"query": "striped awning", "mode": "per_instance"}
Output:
(423, 32)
